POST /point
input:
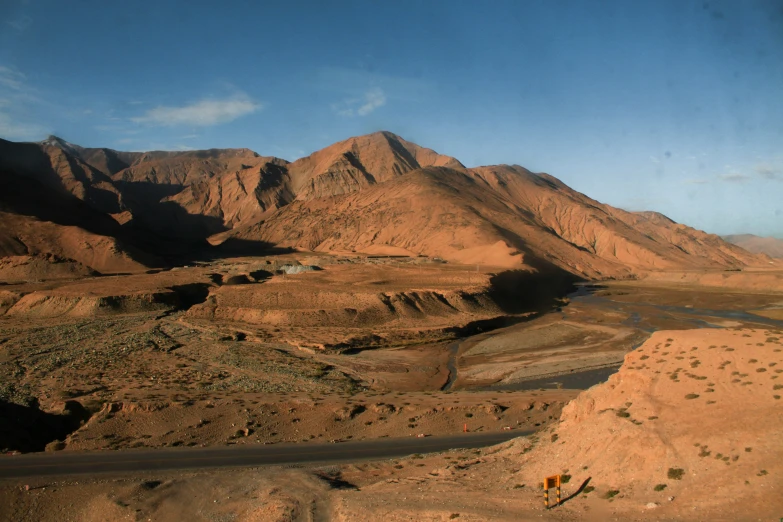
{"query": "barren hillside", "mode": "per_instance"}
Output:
(373, 194)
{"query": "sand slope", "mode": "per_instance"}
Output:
(698, 411)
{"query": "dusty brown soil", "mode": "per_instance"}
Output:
(687, 430)
(186, 357)
(236, 352)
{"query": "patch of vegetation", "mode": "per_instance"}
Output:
(565, 479)
(611, 493)
(588, 489)
(675, 473)
(660, 487)
(692, 396)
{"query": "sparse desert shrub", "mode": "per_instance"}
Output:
(692, 396)
(588, 489)
(660, 487)
(611, 493)
(565, 479)
(675, 473)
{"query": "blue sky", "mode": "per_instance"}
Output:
(673, 106)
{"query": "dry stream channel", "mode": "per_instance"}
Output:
(645, 317)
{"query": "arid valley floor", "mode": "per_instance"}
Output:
(176, 358)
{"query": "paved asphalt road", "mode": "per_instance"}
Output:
(74, 463)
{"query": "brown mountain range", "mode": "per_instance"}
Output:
(377, 194)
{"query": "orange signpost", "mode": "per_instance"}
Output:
(551, 482)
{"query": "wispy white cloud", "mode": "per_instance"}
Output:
(17, 99)
(201, 113)
(12, 129)
(696, 181)
(354, 83)
(363, 106)
(11, 78)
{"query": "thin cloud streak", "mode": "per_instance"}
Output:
(372, 99)
(16, 100)
(203, 113)
(735, 178)
(11, 78)
(770, 172)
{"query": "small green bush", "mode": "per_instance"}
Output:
(675, 473)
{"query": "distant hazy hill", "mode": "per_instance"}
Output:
(771, 246)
